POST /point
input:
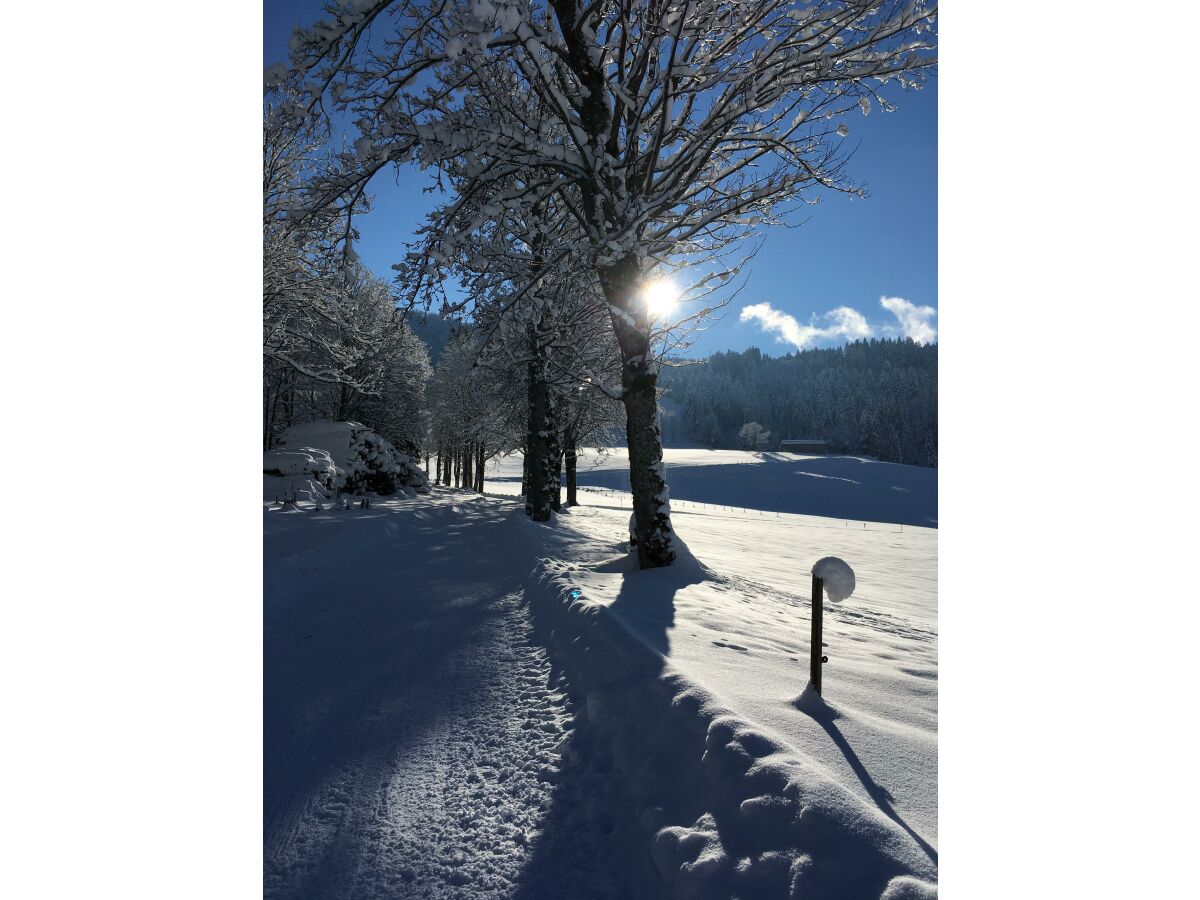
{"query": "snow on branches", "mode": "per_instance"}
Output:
(659, 132)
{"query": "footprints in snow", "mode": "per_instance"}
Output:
(452, 793)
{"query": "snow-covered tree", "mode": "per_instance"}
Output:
(753, 437)
(335, 346)
(303, 281)
(386, 365)
(670, 129)
(537, 312)
(475, 414)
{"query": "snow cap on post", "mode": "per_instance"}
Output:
(837, 576)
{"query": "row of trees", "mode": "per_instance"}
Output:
(876, 397)
(585, 150)
(484, 403)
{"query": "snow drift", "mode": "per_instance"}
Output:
(720, 808)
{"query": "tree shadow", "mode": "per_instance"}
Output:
(646, 601)
(575, 853)
(814, 706)
(591, 844)
(349, 659)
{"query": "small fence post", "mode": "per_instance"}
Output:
(814, 666)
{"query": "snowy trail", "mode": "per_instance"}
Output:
(415, 737)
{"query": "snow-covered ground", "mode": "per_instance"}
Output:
(840, 487)
(418, 742)
(743, 632)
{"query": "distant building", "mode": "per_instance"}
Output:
(804, 445)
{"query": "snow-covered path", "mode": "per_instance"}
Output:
(414, 734)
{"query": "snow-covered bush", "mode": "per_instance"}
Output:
(364, 461)
(307, 462)
(304, 473)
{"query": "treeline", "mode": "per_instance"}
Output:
(335, 346)
(876, 398)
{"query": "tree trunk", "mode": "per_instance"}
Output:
(556, 481)
(639, 378)
(426, 465)
(270, 405)
(289, 404)
(343, 398)
(651, 501)
(479, 468)
(468, 458)
(537, 497)
(554, 455)
(569, 459)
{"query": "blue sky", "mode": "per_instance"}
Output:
(847, 255)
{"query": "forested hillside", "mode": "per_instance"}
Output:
(433, 330)
(876, 397)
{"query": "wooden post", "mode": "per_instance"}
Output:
(814, 665)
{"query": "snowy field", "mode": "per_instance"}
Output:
(840, 487)
(743, 633)
(419, 742)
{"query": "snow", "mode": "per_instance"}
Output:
(784, 795)
(462, 703)
(836, 576)
(741, 629)
(838, 487)
(304, 490)
(416, 741)
(307, 461)
(737, 624)
(362, 457)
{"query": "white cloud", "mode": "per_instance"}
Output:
(916, 322)
(842, 322)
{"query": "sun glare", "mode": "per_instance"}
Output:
(660, 297)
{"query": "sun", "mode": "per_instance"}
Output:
(661, 297)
